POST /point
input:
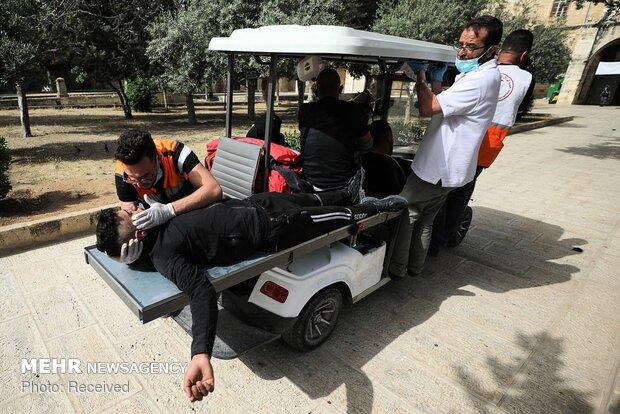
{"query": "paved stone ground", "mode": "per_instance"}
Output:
(515, 320)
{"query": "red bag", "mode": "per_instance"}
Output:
(285, 172)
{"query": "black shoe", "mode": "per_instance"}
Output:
(355, 186)
(389, 203)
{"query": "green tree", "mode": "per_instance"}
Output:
(426, 19)
(20, 50)
(105, 40)
(180, 40)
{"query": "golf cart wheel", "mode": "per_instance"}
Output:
(461, 231)
(316, 321)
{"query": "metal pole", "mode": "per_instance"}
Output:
(269, 118)
(229, 94)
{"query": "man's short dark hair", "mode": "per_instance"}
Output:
(518, 41)
(133, 145)
(107, 233)
(328, 83)
(493, 25)
(379, 130)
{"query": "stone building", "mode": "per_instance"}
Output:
(594, 38)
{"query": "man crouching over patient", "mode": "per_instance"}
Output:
(221, 233)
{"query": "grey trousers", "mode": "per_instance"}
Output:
(414, 235)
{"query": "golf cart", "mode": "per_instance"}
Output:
(296, 294)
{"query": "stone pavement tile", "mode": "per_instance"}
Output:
(536, 286)
(445, 260)
(262, 378)
(605, 271)
(20, 338)
(81, 275)
(139, 403)
(58, 310)
(585, 242)
(166, 390)
(589, 341)
(422, 389)
(475, 240)
(598, 300)
(441, 358)
(324, 376)
(567, 385)
(500, 259)
(44, 403)
(544, 255)
(114, 316)
(39, 275)
(89, 345)
(491, 234)
(12, 304)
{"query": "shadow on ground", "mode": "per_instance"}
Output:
(381, 318)
(23, 202)
(608, 150)
(540, 387)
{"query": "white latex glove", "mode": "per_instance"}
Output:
(157, 214)
(130, 252)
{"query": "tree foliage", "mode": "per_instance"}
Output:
(106, 39)
(426, 19)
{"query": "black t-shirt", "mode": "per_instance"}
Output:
(330, 132)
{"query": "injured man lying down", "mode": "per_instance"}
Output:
(221, 233)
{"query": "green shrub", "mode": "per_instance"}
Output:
(408, 133)
(292, 139)
(140, 94)
(5, 159)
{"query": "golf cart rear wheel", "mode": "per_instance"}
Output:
(316, 321)
(461, 231)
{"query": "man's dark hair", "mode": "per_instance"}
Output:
(518, 41)
(133, 145)
(380, 130)
(328, 83)
(494, 28)
(107, 232)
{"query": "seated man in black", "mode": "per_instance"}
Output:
(384, 175)
(333, 133)
(221, 233)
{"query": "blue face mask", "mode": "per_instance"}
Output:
(467, 65)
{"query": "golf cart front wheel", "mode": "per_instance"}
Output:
(461, 231)
(316, 321)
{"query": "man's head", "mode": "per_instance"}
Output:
(382, 137)
(136, 151)
(115, 228)
(516, 48)
(479, 39)
(328, 83)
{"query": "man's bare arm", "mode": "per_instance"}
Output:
(427, 100)
(207, 191)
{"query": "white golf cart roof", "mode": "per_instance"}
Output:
(334, 42)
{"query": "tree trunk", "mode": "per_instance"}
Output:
(120, 91)
(24, 116)
(163, 93)
(191, 110)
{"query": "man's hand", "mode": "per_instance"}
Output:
(130, 252)
(198, 381)
(411, 69)
(157, 214)
(436, 71)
